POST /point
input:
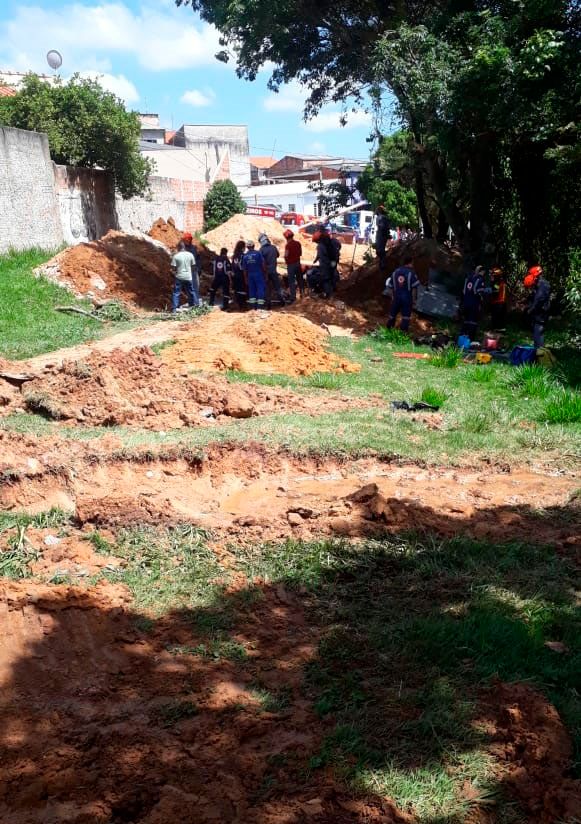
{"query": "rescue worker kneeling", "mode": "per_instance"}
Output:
(403, 284)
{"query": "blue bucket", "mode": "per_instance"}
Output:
(464, 342)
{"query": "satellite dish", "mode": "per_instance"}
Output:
(54, 59)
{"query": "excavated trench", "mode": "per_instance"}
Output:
(253, 492)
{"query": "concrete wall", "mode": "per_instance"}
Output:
(209, 144)
(42, 204)
(29, 211)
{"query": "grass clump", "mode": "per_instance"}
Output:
(448, 358)
(433, 396)
(563, 407)
(325, 380)
(216, 649)
(391, 335)
(533, 381)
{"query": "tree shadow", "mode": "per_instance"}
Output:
(305, 690)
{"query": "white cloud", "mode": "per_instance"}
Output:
(197, 98)
(328, 121)
(116, 83)
(158, 38)
(290, 98)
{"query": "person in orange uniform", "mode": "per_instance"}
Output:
(498, 298)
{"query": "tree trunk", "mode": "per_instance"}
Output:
(439, 183)
(421, 197)
(442, 233)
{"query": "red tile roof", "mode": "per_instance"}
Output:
(7, 91)
(262, 162)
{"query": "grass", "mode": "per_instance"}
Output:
(433, 396)
(18, 554)
(563, 407)
(448, 358)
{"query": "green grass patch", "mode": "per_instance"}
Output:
(448, 358)
(433, 396)
(29, 324)
(563, 407)
(387, 334)
(216, 649)
(533, 381)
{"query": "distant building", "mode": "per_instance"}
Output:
(151, 131)
(208, 144)
(13, 80)
(258, 169)
(286, 197)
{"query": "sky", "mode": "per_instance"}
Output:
(159, 58)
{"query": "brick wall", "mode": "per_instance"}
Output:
(29, 211)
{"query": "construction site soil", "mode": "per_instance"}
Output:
(257, 343)
(136, 388)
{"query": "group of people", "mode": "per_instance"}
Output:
(251, 274)
(403, 284)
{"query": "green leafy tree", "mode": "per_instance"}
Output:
(85, 125)
(221, 203)
(400, 203)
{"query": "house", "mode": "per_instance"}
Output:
(258, 169)
(151, 131)
(209, 144)
(286, 197)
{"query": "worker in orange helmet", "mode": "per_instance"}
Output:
(539, 304)
(292, 256)
(498, 298)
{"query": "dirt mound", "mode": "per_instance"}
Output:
(257, 343)
(244, 227)
(137, 388)
(530, 738)
(367, 282)
(131, 268)
(166, 232)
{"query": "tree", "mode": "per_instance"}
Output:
(85, 125)
(488, 90)
(221, 203)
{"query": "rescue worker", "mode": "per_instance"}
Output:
(270, 254)
(222, 270)
(403, 284)
(292, 257)
(498, 298)
(238, 278)
(325, 256)
(183, 265)
(335, 264)
(189, 247)
(381, 236)
(539, 304)
(472, 294)
(254, 270)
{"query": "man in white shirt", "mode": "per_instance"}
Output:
(183, 265)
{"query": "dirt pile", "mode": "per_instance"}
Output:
(131, 268)
(258, 343)
(166, 232)
(529, 737)
(367, 282)
(244, 227)
(137, 388)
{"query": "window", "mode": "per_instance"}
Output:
(292, 207)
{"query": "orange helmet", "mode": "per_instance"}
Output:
(496, 272)
(532, 275)
(187, 237)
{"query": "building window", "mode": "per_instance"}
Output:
(292, 207)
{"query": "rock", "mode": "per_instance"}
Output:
(378, 507)
(365, 493)
(238, 405)
(305, 512)
(294, 519)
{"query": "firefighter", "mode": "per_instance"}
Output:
(472, 295)
(498, 298)
(255, 273)
(222, 270)
(539, 304)
(326, 255)
(238, 279)
(269, 253)
(403, 284)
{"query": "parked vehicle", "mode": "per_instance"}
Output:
(292, 219)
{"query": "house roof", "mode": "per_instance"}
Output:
(7, 91)
(262, 162)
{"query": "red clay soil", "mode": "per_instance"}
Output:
(131, 268)
(136, 388)
(101, 722)
(254, 493)
(257, 343)
(166, 232)
(533, 746)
